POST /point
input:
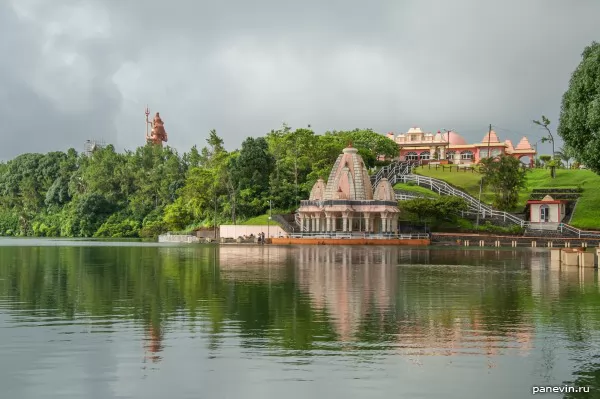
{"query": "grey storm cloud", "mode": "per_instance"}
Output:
(73, 70)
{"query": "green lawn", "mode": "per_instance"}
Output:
(587, 212)
(415, 189)
(261, 220)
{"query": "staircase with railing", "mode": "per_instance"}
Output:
(486, 211)
(393, 171)
(285, 225)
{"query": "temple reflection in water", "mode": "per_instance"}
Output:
(356, 286)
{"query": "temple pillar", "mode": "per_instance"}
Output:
(350, 220)
(301, 222)
(345, 222)
(318, 220)
(442, 152)
(314, 223)
(384, 222)
(367, 217)
(395, 224)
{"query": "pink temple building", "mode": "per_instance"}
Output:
(348, 203)
(451, 147)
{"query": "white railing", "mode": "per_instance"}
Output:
(443, 188)
(406, 197)
(393, 171)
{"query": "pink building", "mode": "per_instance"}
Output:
(451, 147)
(348, 203)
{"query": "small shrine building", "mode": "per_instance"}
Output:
(347, 203)
(547, 210)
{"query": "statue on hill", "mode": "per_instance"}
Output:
(157, 134)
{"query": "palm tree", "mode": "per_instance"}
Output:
(563, 156)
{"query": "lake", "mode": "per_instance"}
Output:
(105, 320)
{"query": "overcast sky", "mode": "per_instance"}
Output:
(73, 70)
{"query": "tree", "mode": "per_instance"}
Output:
(565, 154)
(545, 122)
(545, 159)
(579, 124)
(435, 210)
(505, 176)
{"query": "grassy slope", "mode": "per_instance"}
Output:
(261, 220)
(587, 212)
(416, 189)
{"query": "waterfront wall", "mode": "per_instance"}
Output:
(510, 241)
(348, 241)
(235, 231)
(178, 238)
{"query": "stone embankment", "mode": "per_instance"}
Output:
(488, 240)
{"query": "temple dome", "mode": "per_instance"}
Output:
(384, 191)
(349, 178)
(455, 139)
(318, 191)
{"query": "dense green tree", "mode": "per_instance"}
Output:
(434, 210)
(579, 124)
(154, 189)
(504, 176)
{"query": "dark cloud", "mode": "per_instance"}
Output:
(74, 70)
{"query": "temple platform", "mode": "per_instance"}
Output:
(414, 239)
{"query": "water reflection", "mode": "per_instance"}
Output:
(302, 304)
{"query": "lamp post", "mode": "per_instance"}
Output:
(215, 216)
(448, 140)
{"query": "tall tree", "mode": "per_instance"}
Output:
(505, 176)
(579, 124)
(545, 123)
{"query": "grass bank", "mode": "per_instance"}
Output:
(260, 220)
(587, 212)
(415, 189)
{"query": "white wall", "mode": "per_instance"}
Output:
(235, 231)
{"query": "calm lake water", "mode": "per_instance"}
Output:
(132, 320)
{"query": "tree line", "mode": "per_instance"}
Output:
(151, 190)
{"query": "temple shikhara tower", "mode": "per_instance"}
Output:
(155, 130)
(347, 203)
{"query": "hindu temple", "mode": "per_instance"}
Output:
(417, 145)
(347, 203)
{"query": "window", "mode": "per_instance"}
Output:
(425, 155)
(466, 155)
(450, 155)
(411, 156)
(495, 152)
